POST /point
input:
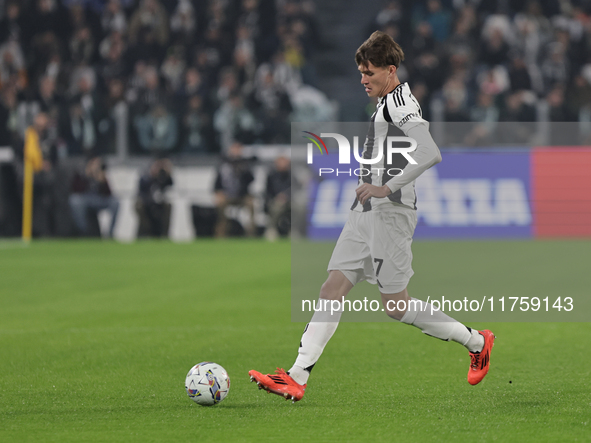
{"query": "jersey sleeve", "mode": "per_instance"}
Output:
(402, 110)
(426, 155)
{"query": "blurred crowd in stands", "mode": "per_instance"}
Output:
(133, 77)
(495, 60)
(185, 75)
(187, 78)
(193, 76)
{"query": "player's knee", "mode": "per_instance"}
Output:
(396, 305)
(395, 308)
(395, 314)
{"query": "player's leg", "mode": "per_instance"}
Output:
(391, 252)
(318, 331)
(321, 327)
(349, 264)
(400, 306)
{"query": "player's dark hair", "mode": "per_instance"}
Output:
(381, 50)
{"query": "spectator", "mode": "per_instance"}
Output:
(528, 38)
(152, 207)
(578, 96)
(44, 50)
(485, 109)
(91, 193)
(228, 85)
(245, 69)
(517, 111)
(486, 115)
(231, 188)
(494, 50)
(183, 23)
(9, 134)
(173, 68)
(146, 49)
(285, 76)
(11, 25)
(48, 17)
(82, 46)
(12, 64)
(274, 108)
(207, 63)
(234, 122)
(152, 18)
(428, 69)
(462, 41)
(559, 111)
(109, 118)
(79, 125)
(391, 13)
(56, 69)
(422, 40)
(519, 75)
(191, 86)
(113, 18)
(150, 93)
(48, 99)
(421, 93)
(494, 81)
(113, 65)
(157, 130)
(439, 18)
(556, 67)
(197, 130)
(456, 97)
(278, 199)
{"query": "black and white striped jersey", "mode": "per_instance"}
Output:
(397, 114)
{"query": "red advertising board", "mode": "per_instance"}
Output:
(561, 191)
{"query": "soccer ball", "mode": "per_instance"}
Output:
(207, 383)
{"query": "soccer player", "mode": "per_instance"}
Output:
(375, 244)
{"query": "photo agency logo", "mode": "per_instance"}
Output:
(379, 164)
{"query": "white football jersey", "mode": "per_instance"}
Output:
(396, 113)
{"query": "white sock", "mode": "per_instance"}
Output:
(316, 335)
(476, 342)
(300, 375)
(440, 325)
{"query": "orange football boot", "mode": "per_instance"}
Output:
(279, 383)
(480, 361)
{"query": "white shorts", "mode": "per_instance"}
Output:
(376, 246)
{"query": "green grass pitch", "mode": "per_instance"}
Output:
(96, 339)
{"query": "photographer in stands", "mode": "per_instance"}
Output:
(231, 188)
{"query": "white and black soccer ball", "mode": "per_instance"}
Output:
(207, 383)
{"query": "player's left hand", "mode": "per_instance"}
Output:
(366, 190)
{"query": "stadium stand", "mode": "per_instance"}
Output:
(133, 80)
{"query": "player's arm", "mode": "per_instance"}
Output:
(367, 190)
(426, 155)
